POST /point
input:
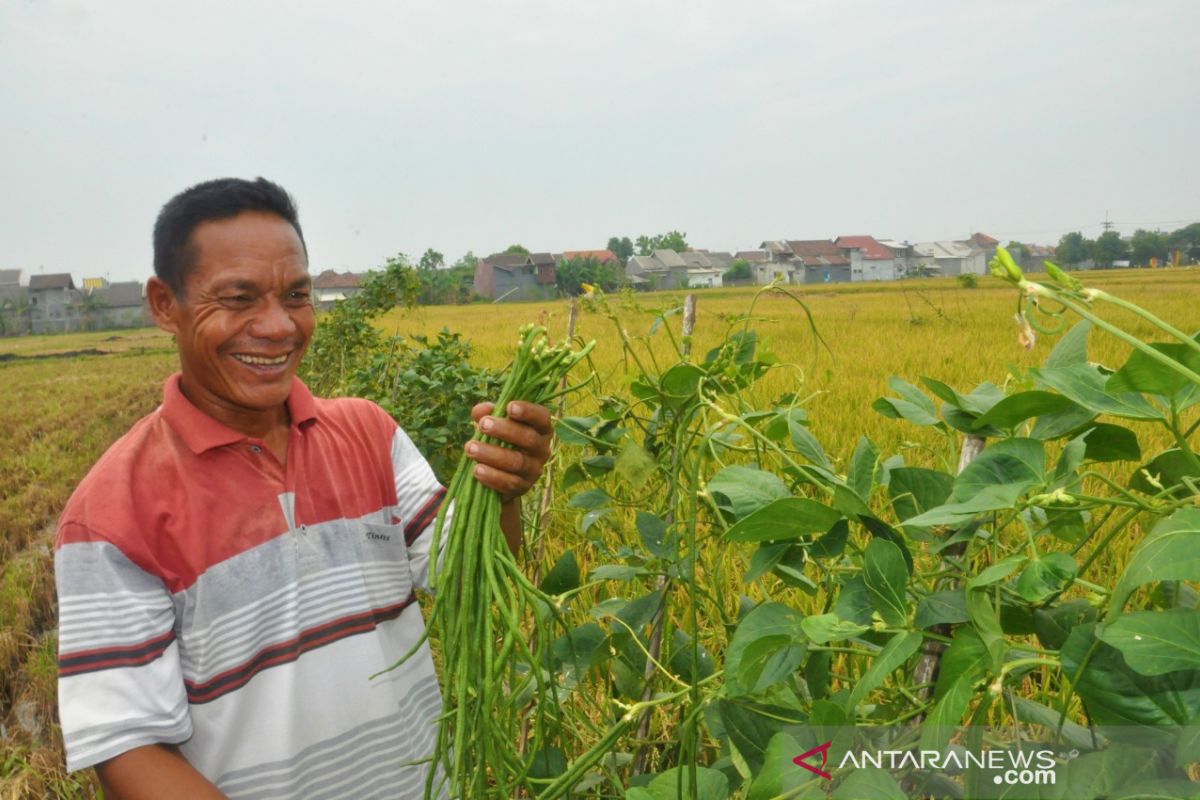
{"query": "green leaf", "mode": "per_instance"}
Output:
(581, 648)
(913, 405)
(854, 601)
(680, 382)
(808, 446)
(886, 576)
(1141, 373)
(654, 535)
(634, 465)
(590, 500)
(915, 490)
(824, 628)
(1169, 553)
(832, 543)
(766, 648)
(1016, 408)
(1016, 462)
(681, 658)
(1107, 442)
(563, 576)
(986, 619)
(897, 651)
(764, 559)
(997, 572)
(979, 402)
(786, 518)
(868, 784)
(752, 726)
(861, 477)
(963, 665)
(1073, 733)
(1106, 773)
(1157, 642)
(1071, 348)
(1127, 705)
(1086, 385)
(945, 607)
(1168, 468)
(743, 490)
(673, 785)
(575, 430)
(778, 775)
(615, 572)
(1045, 576)
(1054, 624)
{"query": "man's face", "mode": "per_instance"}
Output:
(246, 316)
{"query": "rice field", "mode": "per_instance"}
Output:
(66, 398)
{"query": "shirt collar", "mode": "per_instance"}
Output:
(200, 432)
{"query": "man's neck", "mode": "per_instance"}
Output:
(270, 425)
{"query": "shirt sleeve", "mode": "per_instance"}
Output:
(120, 684)
(419, 496)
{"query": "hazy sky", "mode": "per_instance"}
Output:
(470, 126)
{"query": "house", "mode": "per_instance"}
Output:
(10, 284)
(664, 269)
(761, 267)
(908, 263)
(822, 260)
(869, 259)
(700, 272)
(121, 305)
(599, 256)
(92, 284)
(517, 276)
(952, 257)
(54, 299)
(984, 244)
(331, 286)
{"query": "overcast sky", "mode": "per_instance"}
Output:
(556, 124)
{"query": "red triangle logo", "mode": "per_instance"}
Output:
(823, 749)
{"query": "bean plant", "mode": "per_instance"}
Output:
(1040, 583)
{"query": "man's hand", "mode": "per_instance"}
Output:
(512, 472)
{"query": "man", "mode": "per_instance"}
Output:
(234, 568)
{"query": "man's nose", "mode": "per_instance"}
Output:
(274, 321)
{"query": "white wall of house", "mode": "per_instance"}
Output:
(877, 269)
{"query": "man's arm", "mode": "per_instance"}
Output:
(154, 771)
(512, 471)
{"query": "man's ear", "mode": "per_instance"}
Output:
(164, 306)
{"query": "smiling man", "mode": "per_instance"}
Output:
(235, 568)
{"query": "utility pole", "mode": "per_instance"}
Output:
(1107, 225)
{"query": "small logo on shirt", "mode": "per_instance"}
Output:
(378, 537)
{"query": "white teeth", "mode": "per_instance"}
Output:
(260, 361)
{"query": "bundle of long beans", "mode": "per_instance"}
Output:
(487, 612)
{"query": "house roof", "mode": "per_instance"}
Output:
(872, 249)
(694, 258)
(539, 259)
(776, 247)
(506, 259)
(720, 259)
(603, 256)
(943, 249)
(983, 241)
(121, 294)
(753, 256)
(337, 280)
(670, 259)
(645, 264)
(818, 252)
(9, 277)
(55, 280)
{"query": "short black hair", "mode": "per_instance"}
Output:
(222, 198)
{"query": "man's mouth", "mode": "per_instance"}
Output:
(262, 361)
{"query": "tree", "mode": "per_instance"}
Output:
(1073, 249)
(622, 248)
(432, 259)
(1145, 245)
(739, 270)
(671, 240)
(90, 306)
(1187, 239)
(1109, 247)
(1020, 252)
(516, 249)
(572, 273)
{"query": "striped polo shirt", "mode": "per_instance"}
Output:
(214, 598)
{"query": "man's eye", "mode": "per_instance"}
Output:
(237, 299)
(298, 297)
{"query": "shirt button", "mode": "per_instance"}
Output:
(255, 448)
